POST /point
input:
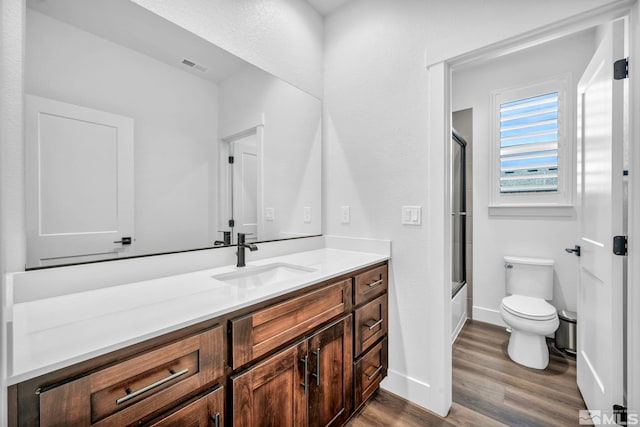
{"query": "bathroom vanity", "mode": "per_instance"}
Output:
(299, 339)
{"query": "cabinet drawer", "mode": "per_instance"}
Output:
(369, 370)
(260, 332)
(370, 323)
(127, 391)
(370, 284)
(207, 410)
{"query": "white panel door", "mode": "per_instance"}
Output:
(600, 179)
(79, 183)
(245, 186)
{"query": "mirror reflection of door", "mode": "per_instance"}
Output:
(79, 183)
(244, 185)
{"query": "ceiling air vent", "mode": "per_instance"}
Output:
(192, 64)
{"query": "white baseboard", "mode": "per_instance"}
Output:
(458, 328)
(488, 315)
(408, 388)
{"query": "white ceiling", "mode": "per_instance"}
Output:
(325, 7)
(129, 25)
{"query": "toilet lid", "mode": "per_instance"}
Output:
(529, 307)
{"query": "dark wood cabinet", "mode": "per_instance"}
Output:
(331, 374)
(370, 369)
(272, 393)
(371, 319)
(370, 284)
(308, 358)
(130, 390)
(262, 331)
(308, 383)
(370, 323)
(207, 410)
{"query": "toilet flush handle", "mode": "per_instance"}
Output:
(507, 265)
(575, 250)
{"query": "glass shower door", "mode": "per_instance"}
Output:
(458, 212)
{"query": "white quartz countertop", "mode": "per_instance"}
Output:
(56, 332)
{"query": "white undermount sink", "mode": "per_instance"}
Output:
(263, 275)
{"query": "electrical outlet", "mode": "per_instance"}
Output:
(307, 214)
(270, 214)
(345, 215)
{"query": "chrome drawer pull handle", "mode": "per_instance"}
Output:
(216, 419)
(317, 373)
(305, 384)
(137, 393)
(376, 283)
(373, 325)
(376, 372)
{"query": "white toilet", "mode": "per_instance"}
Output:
(529, 283)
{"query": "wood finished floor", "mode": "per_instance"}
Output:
(489, 389)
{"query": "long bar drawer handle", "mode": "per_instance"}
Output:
(376, 372)
(216, 419)
(376, 283)
(373, 325)
(137, 393)
(305, 383)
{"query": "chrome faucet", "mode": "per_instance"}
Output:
(241, 247)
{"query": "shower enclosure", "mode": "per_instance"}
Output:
(458, 212)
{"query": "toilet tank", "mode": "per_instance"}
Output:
(532, 277)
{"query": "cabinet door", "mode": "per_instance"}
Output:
(265, 330)
(370, 369)
(370, 323)
(206, 411)
(273, 393)
(370, 284)
(133, 389)
(330, 374)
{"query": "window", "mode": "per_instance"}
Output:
(532, 140)
(529, 144)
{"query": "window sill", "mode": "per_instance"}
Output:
(566, 211)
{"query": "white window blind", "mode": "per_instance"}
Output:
(529, 144)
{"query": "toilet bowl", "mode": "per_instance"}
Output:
(530, 323)
(529, 281)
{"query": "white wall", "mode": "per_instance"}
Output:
(291, 49)
(292, 124)
(497, 236)
(175, 125)
(283, 37)
(377, 151)
(12, 226)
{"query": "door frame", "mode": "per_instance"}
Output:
(439, 122)
(225, 192)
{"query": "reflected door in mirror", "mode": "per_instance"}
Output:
(79, 182)
(245, 186)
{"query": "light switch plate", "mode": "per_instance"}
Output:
(411, 215)
(269, 214)
(307, 214)
(345, 215)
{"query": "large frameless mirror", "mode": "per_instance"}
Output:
(142, 138)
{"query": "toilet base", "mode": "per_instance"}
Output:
(528, 350)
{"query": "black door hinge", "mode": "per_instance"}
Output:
(620, 245)
(621, 69)
(230, 160)
(232, 223)
(620, 413)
